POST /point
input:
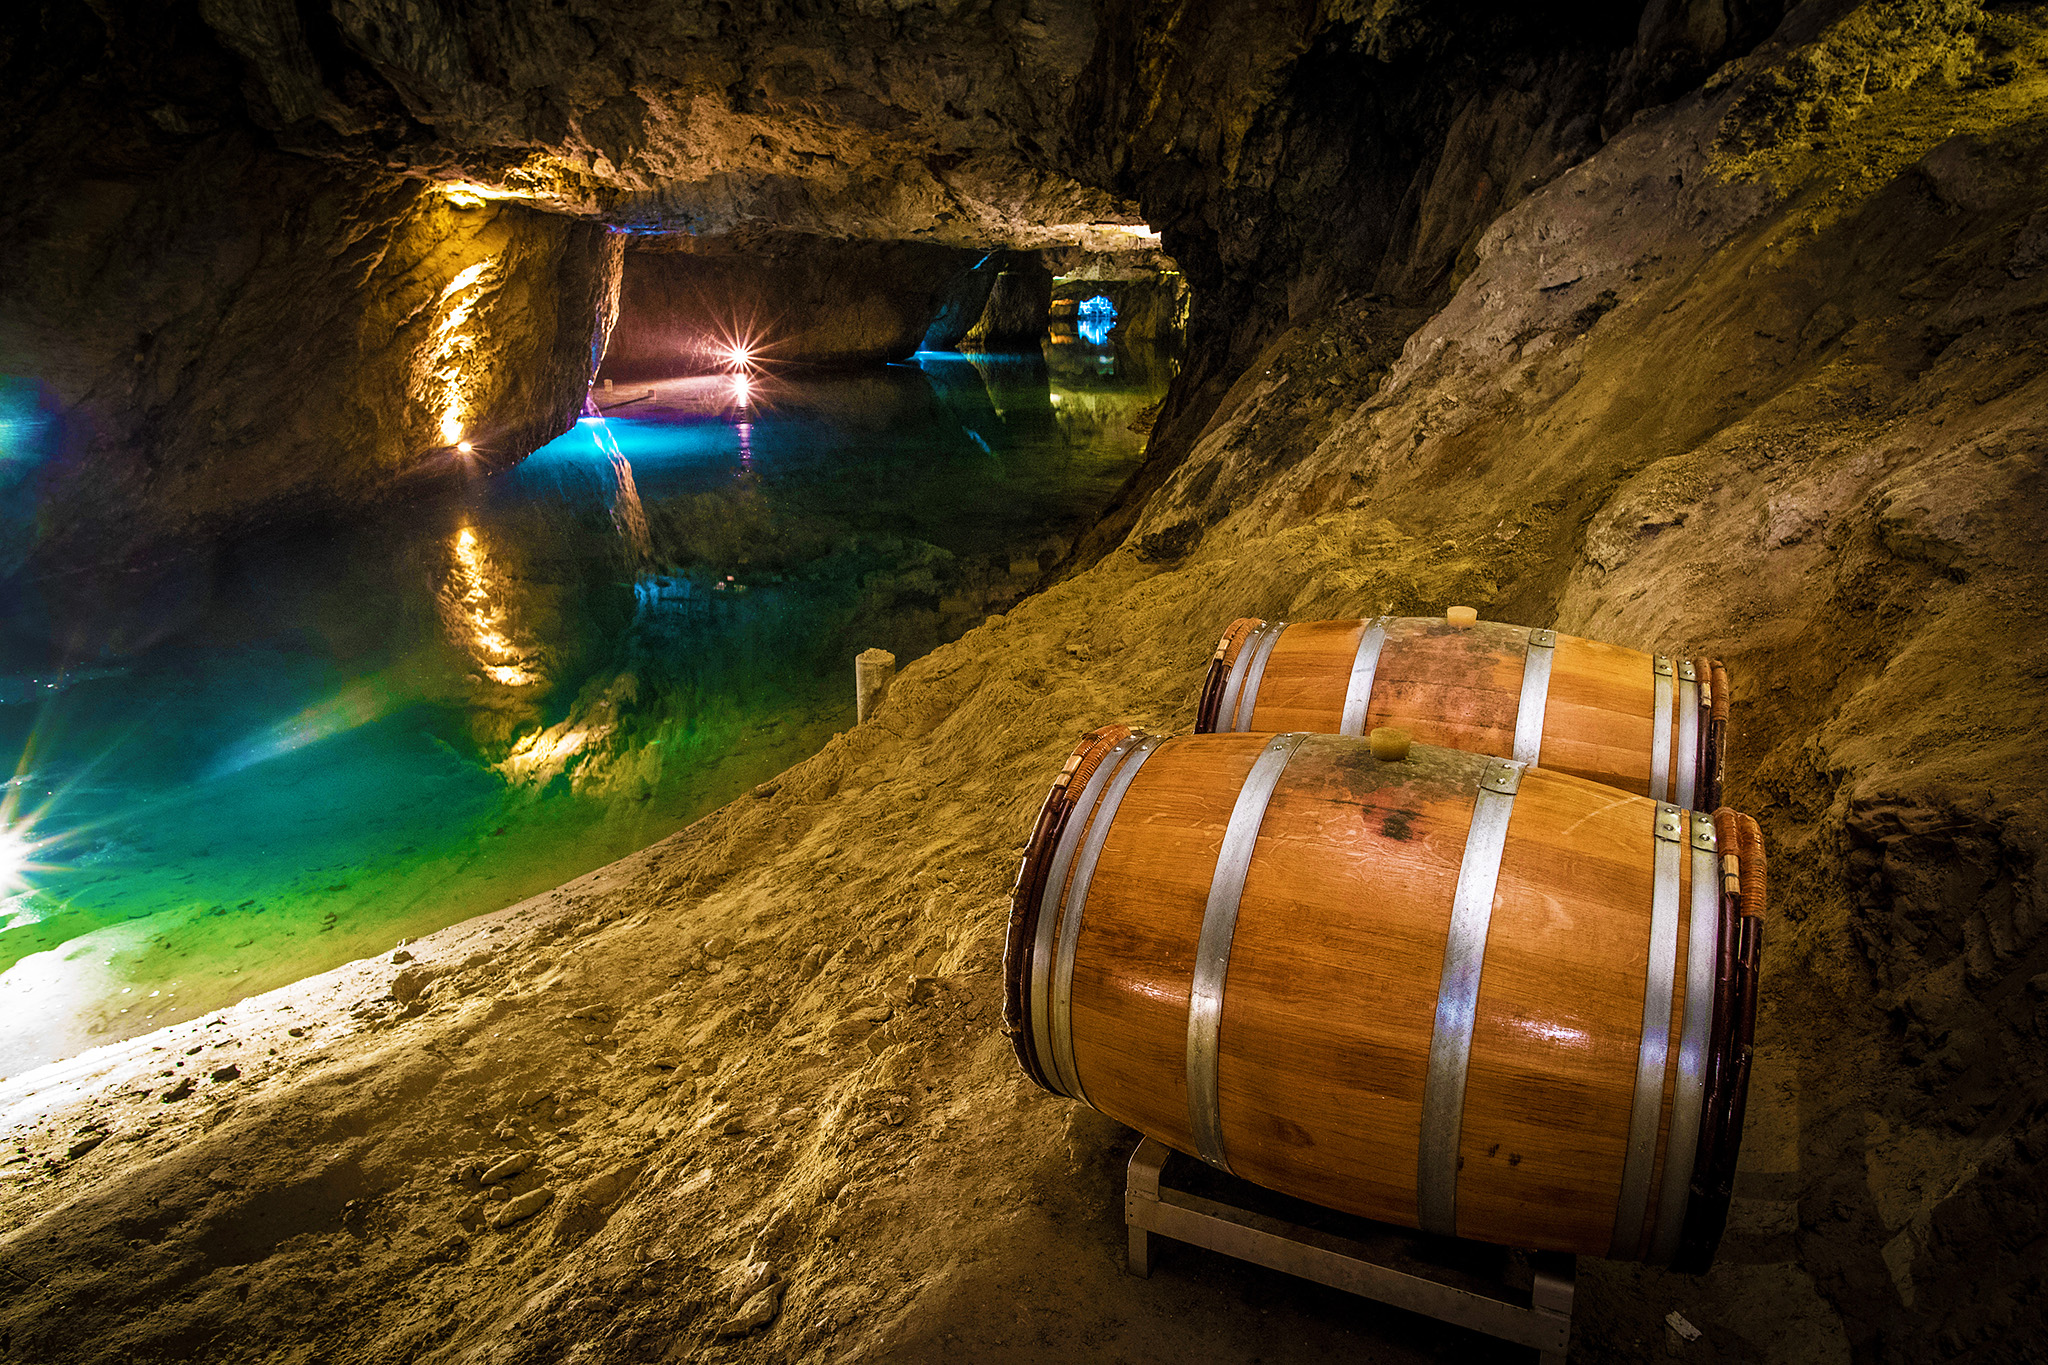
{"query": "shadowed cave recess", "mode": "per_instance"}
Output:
(561, 395)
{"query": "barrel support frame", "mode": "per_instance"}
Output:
(1540, 1317)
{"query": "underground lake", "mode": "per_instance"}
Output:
(327, 741)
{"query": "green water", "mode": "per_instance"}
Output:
(312, 746)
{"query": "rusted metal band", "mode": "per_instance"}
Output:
(1049, 903)
(1076, 904)
(1687, 759)
(1703, 937)
(1358, 692)
(1535, 694)
(1212, 950)
(1660, 731)
(1450, 1046)
(1248, 699)
(1654, 1048)
(1233, 687)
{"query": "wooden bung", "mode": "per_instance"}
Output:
(1447, 992)
(1563, 702)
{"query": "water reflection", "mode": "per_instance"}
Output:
(350, 737)
(478, 619)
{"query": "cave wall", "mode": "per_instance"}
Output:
(1302, 157)
(218, 334)
(1019, 301)
(247, 336)
(794, 300)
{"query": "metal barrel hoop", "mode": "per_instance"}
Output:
(1076, 904)
(1053, 896)
(1450, 1045)
(1248, 699)
(1687, 757)
(1652, 1051)
(1364, 667)
(1212, 949)
(1702, 945)
(1660, 728)
(1233, 685)
(1536, 664)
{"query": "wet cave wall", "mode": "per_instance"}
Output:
(786, 298)
(203, 333)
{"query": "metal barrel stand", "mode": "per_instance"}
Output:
(1540, 1318)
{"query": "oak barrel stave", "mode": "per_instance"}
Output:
(1332, 982)
(1462, 688)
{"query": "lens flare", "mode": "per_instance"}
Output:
(21, 846)
(739, 356)
(17, 851)
(742, 390)
(356, 705)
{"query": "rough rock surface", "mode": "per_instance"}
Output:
(788, 298)
(1149, 307)
(1018, 301)
(219, 333)
(1790, 415)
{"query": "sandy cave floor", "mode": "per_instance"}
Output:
(771, 1038)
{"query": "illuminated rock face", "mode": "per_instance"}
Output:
(181, 290)
(247, 335)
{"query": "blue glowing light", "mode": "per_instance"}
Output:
(26, 428)
(1094, 319)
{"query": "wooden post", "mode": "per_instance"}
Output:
(872, 670)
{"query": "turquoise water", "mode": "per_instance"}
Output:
(315, 744)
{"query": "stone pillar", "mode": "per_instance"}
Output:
(872, 669)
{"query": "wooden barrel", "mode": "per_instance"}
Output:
(1645, 723)
(1451, 992)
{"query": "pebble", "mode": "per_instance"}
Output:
(401, 956)
(509, 1167)
(407, 985)
(721, 946)
(522, 1208)
(753, 1277)
(755, 1313)
(228, 1073)
(875, 1014)
(182, 1090)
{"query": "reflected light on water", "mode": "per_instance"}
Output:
(354, 706)
(478, 619)
(627, 513)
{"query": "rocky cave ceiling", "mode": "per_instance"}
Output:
(206, 192)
